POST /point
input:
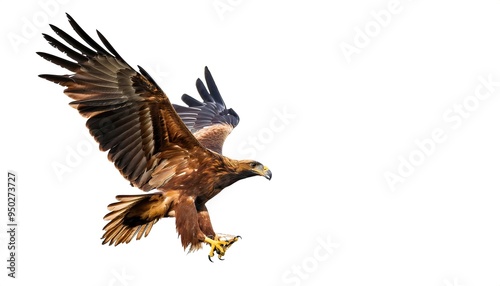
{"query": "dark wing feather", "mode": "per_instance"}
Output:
(210, 121)
(128, 114)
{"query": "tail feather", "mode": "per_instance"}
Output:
(134, 216)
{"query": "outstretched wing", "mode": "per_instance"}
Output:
(210, 121)
(128, 114)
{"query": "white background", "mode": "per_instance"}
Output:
(349, 120)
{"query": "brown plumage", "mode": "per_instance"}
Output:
(176, 150)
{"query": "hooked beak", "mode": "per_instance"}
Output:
(267, 173)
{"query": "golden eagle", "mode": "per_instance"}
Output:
(176, 150)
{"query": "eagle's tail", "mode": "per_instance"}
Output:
(135, 215)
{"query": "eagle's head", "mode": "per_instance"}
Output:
(250, 168)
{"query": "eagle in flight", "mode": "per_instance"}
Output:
(172, 149)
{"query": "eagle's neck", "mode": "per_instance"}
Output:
(232, 172)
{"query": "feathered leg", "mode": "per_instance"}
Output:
(204, 221)
(186, 221)
(194, 227)
(219, 243)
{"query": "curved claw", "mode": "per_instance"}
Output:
(220, 244)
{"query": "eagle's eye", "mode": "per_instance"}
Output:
(253, 165)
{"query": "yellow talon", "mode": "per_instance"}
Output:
(220, 244)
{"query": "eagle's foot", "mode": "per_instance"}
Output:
(220, 244)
